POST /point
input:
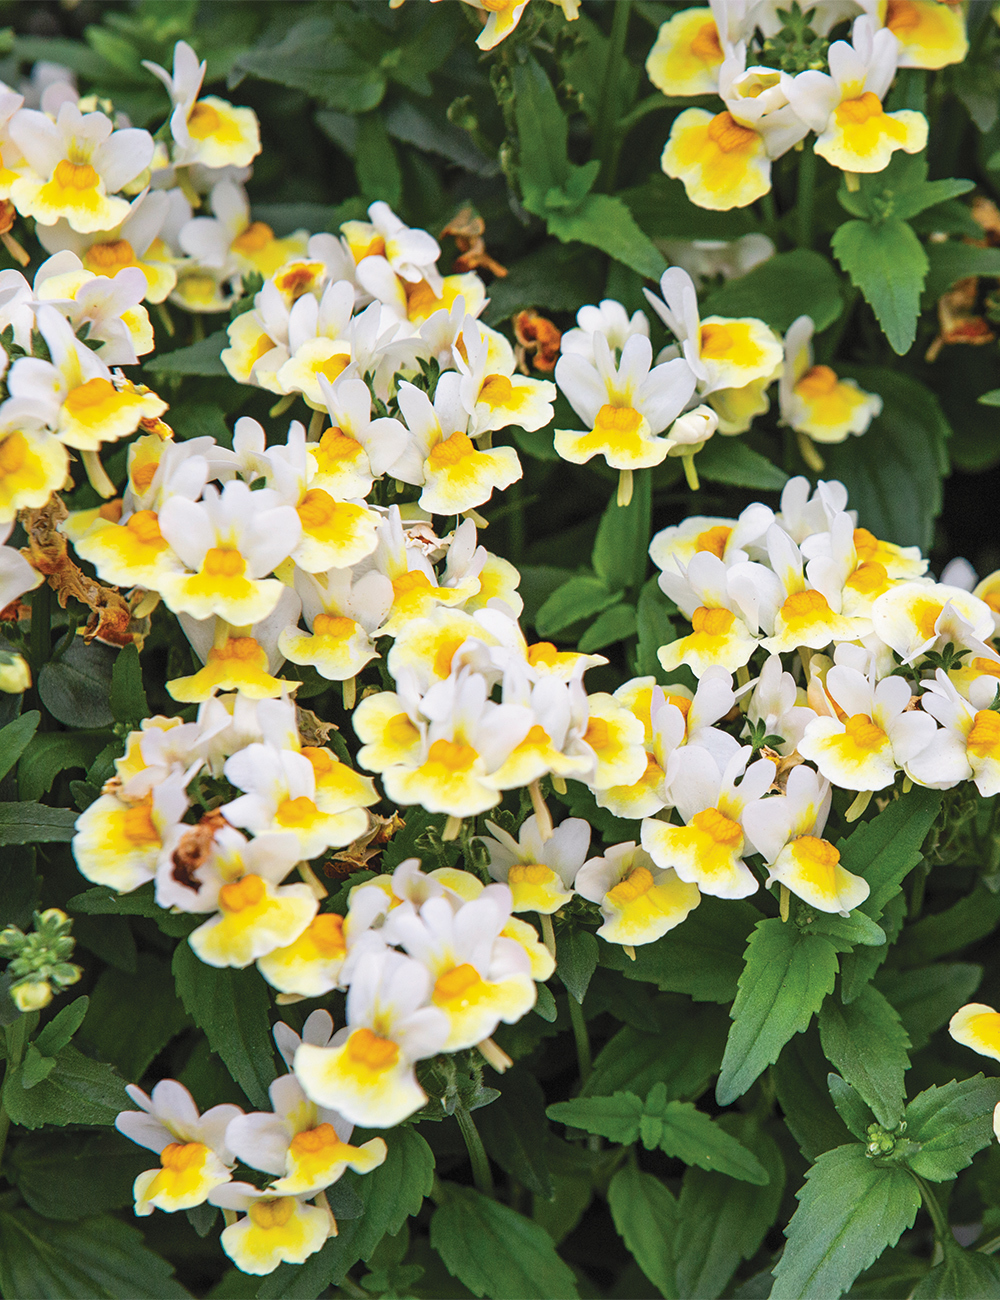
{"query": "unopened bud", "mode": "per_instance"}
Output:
(693, 429)
(31, 996)
(15, 675)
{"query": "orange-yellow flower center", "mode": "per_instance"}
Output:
(327, 934)
(295, 812)
(725, 132)
(146, 526)
(455, 983)
(143, 475)
(369, 1049)
(612, 420)
(820, 381)
(203, 121)
(452, 755)
(451, 450)
(902, 16)
(272, 1214)
(13, 453)
(714, 539)
(803, 606)
(335, 445)
(528, 873)
(109, 258)
(333, 625)
(497, 390)
(94, 393)
(985, 734)
(256, 237)
(316, 509)
(858, 111)
(399, 730)
(867, 577)
(137, 823)
(598, 734)
(706, 44)
(248, 891)
(639, 881)
(865, 734)
(712, 622)
(223, 562)
(243, 649)
(722, 829)
(181, 1155)
(76, 176)
(311, 1141)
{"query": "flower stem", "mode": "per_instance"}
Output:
(625, 484)
(608, 137)
(548, 933)
(41, 628)
(806, 198)
(690, 473)
(16, 1036)
(482, 1175)
(576, 1019)
(942, 1229)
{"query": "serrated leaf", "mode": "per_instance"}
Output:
(785, 979)
(15, 738)
(888, 264)
(127, 697)
(515, 1134)
(603, 221)
(616, 1118)
(52, 752)
(581, 597)
(722, 1220)
(71, 1179)
(616, 624)
(966, 922)
(926, 999)
(495, 1251)
(849, 1211)
(951, 1124)
(325, 57)
(621, 548)
(232, 1007)
(729, 460)
(542, 135)
(201, 358)
(870, 1048)
(801, 1083)
(961, 1275)
(645, 1217)
(690, 1135)
(35, 1067)
(62, 1026)
(36, 823)
(851, 1109)
(93, 1259)
(576, 959)
(779, 290)
(846, 931)
(887, 848)
(683, 1054)
(78, 1091)
(954, 260)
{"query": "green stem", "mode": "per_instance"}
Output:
(942, 1229)
(989, 1247)
(16, 1035)
(40, 643)
(806, 198)
(351, 1288)
(917, 893)
(482, 1175)
(576, 1019)
(607, 142)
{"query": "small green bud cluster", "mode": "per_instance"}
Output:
(38, 960)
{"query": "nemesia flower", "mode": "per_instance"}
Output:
(491, 391)
(107, 308)
(814, 401)
(118, 840)
(229, 242)
(809, 610)
(208, 131)
(977, 1025)
(787, 829)
(342, 618)
(74, 165)
(914, 617)
(728, 539)
(608, 318)
(366, 1074)
(640, 902)
(479, 977)
(930, 35)
(557, 742)
(723, 613)
(704, 259)
(305, 1144)
(192, 1148)
(778, 703)
(844, 107)
(708, 851)
(273, 1231)
(356, 449)
(539, 873)
(968, 745)
(687, 54)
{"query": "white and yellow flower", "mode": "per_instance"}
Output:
(106, 310)
(539, 873)
(723, 607)
(609, 318)
(728, 539)
(780, 705)
(366, 1074)
(914, 617)
(208, 131)
(687, 55)
(491, 391)
(977, 1025)
(968, 745)
(930, 34)
(119, 841)
(342, 618)
(810, 600)
(356, 450)
(640, 902)
(814, 401)
(230, 243)
(274, 1230)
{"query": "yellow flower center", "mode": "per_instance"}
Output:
(203, 121)
(902, 16)
(108, 259)
(321, 759)
(146, 526)
(985, 734)
(248, 891)
(639, 881)
(820, 381)
(989, 667)
(543, 652)
(680, 702)
(452, 755)
(858, 111)
(257, 235)
(612, 420)
(243, 649)
(223, 562)
(528, 873)
(399, 730)
(335, 445)
(598, 734)
(497, 390)
(295, 812)
(722, 829)
(181, 1155)
(374, 248)
(13, 453)
(866, 544)
(865, 734)
(706, 44)
(93, 394)
(327, 934)
(816, 859)
(137, 823)
(143, 475)
(713, 539)
(805, 606)
(452, 450)
(76, 176)
(332, 625)
(421, 299)
(925, 614)
(725, 132)
(712, 622)
(446, 653)
(299, 278)
(368, 1049)
(868, 577)
(455, 983)
(316, 509)
(334, 366)
(312, 1141)
(272, 1214)
(716, 340)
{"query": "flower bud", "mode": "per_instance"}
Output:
(15, 675)
(32, 996)
(693, 429)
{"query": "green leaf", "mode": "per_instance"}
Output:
(375, 162)
(114, 1031)
(951, 1124)
(690, 1135)
(604, 221)
(992, 398)
(846, 931)
(800, 1078)
(15, 738)
(970, 919)
(730, 460)
(961, 1275)
(36, 823)
(75, 683)
(52, 752)
(894, 472)
(326, 56)
(851, 1109)
(953, 261)
(661, 208)
(542, 135)
(78, 1091)
(885, 849)
(580, 597)
(614, 625)
(515, 1134)
(850, 1210)
(859, 966)
(900, 190)
(888, 264)
(62, 1027)
(35, 1067)
(67, 1180)
(495, 1251)
(615, 1118)
(683, 1054)
(127, 698)
(435, 134)
(926, 999)
(722, 1220)
(870, 1048)
(786, 977)
(201, 358)
(93, 1259)
(778, 291)
(654, 628)
(232, 1007)
(576, 959)
(645, 1216)
(621, 549)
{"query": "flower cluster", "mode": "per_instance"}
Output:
(779, 78)
(38, 965)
